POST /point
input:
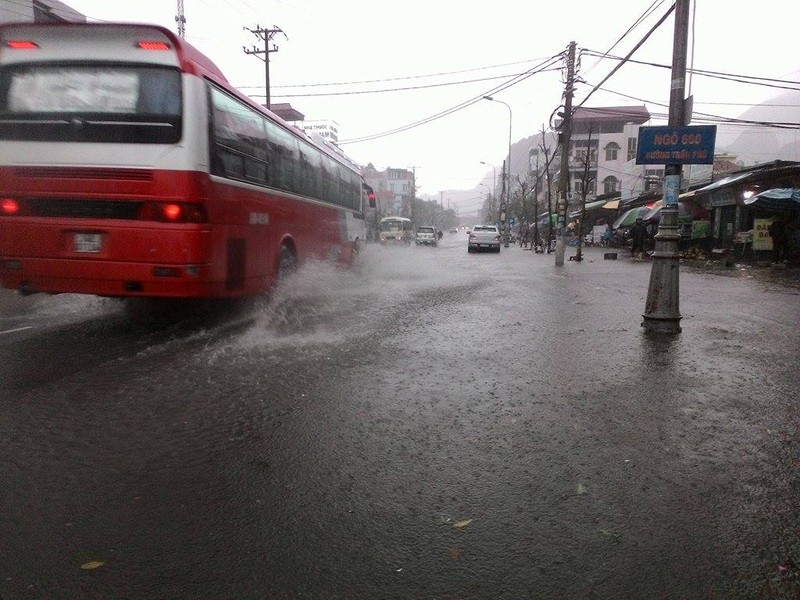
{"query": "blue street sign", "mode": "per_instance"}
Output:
(691, 145)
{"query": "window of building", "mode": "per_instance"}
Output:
(631, 148)
(653, 179)
(612, 151)
(610, 185)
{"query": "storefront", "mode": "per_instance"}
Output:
(733, 217)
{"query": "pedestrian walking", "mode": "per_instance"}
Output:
(608, 235)
(639, 235)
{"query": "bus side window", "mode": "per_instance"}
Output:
(284, 155)
(309, 170)
(239, 144)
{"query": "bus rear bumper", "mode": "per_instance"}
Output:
(107, 278)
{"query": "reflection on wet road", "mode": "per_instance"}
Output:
(427, 424)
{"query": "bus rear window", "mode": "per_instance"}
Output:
(90, 103)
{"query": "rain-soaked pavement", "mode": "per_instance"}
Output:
(426, 425)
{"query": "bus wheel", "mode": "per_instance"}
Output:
(287, 262)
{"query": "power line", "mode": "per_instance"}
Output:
(747, 79)
(406, 77)
(397, 89)
(627, 57)
(513, 81)
(707, 117)
(642, 17)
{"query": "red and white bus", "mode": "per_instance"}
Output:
(129, 166)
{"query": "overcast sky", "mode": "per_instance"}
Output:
(422, 44)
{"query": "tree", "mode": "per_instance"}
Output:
(586, 160)
(548, 158)
(522, 197)
(430, 212)
(490, 209)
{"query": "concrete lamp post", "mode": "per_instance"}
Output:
(507, 201)
(494, 178)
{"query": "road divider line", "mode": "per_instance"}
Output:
(17, 329)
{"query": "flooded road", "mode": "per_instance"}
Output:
(427, 424)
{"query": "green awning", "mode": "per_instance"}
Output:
(590, 206)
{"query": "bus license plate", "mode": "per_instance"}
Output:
(87, 242)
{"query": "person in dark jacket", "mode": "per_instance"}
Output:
(777, 231)
(639, 235)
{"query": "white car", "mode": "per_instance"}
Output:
(484, 237)
(427, 236)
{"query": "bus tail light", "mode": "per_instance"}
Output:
(21, 45)
(172, 212)
(152, 45)
(13, 207)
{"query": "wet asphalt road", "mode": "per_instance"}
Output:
(427, 425)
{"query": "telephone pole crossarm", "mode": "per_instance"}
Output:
(266, 35)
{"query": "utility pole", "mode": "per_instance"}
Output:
(180, 19)
(662, 311)
(547, 159)
(413, 192)
(266, 35)
(585, 181)
(563, 175)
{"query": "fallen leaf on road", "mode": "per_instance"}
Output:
(91, 565)
(614, 535)
(455, 553)
(463, 523)
(581, 490)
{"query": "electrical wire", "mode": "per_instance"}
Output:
(398, 89)
(707, 117)
(747, 79)
(635, 48)
(642, 17)
(461, 106)
(387, 80)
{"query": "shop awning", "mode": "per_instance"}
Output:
(590, 206)
(776, 199)
(720, 184)
(687, 211)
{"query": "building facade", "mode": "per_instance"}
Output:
(38, 11)
(394, 190)
(326, 129)
(607, 139)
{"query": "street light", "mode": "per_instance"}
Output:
(494, 180)
(508, 180)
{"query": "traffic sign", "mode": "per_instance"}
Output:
(691, 145)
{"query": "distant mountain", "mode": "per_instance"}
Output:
(759, 145)
(752, 146)
(470, 201)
